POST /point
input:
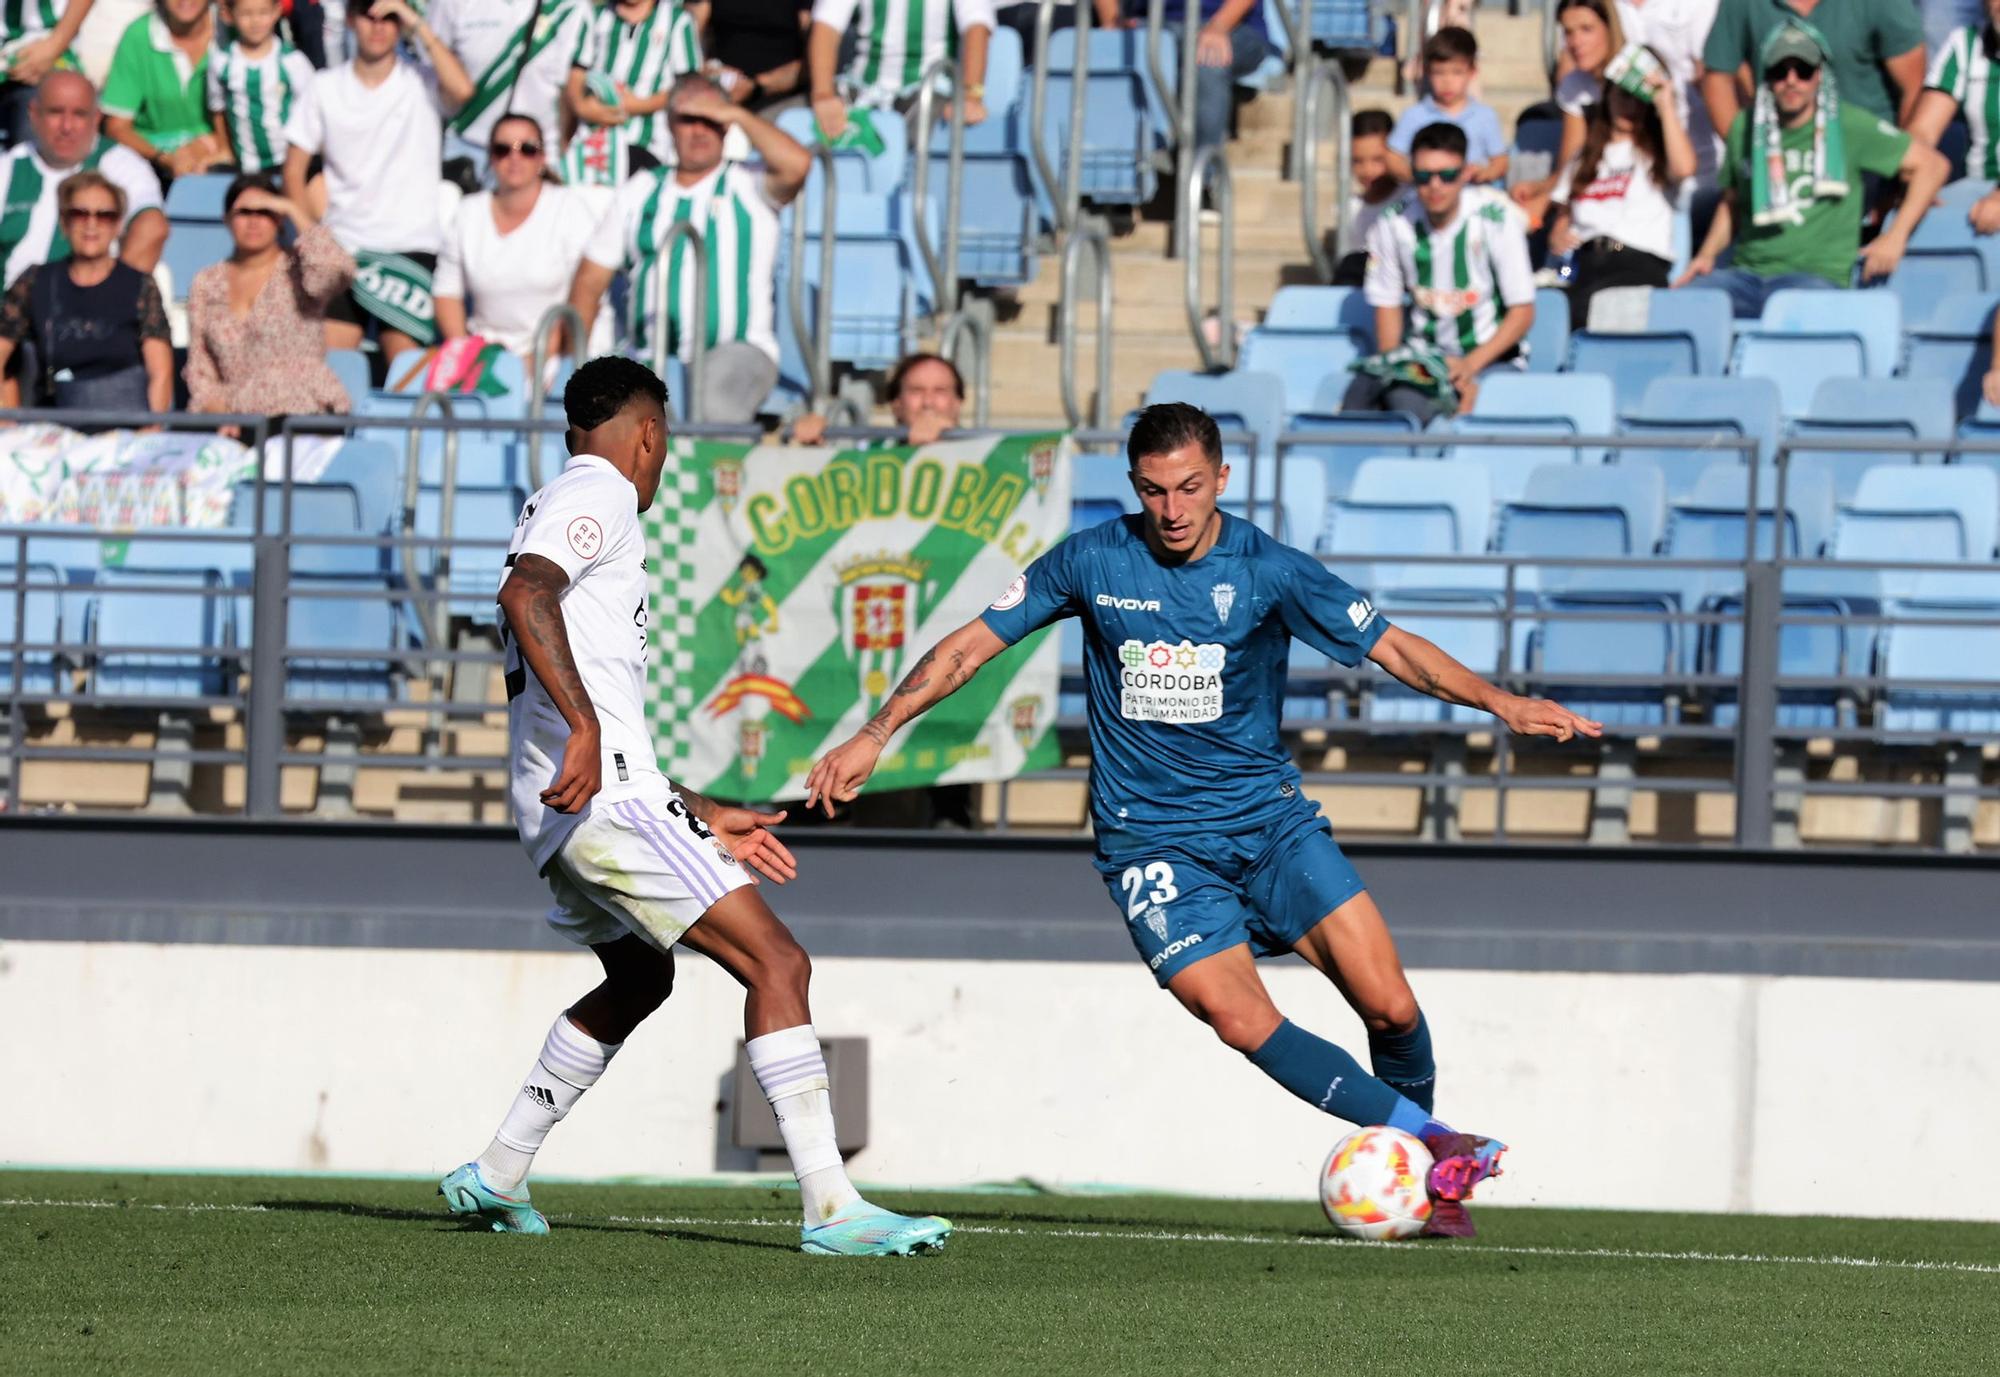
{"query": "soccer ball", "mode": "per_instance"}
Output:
(1373, 1184)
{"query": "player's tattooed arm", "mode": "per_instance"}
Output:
(1428, 669)
(700, 805)
(947, 677)
(531, 600)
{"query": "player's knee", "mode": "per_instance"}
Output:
(1244, 1029)
(787, 967)
(1396, 1014)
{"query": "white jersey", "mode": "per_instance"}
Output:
(29, 228)
(511, 280)
(645, 58)
(1457, 279)
(740, 224)
(898, 39)
(586, 522)
(382, 146)
(1963, 71)
(30, 18)
(514, 68)
(254, 96)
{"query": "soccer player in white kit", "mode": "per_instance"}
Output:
(636, 862)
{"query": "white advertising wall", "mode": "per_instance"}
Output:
(1679, 1092)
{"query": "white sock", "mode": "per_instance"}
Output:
(570, 1063)
(792, 1070)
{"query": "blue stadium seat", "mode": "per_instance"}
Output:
(1584, 400)
(192, 247)
(1946, 260)
(1465, 626)
(1632, 362)
(1119, 124)
(41, 624)
(375, 471)
(1808, 335)
(855, 169)
(482, 515)
(1702, 316)
(196, 198)
(1299, 518)
(875, 290)
(1955, 344)
(1548, 338)
(1919, 513)
(1591, 512)
(1856, 408)
(1322, 310)
(1633, 644)
(1102, 479)
(1814, 641)
(1675, 407)
(1306, 362)
(997, 219)
(182, 618)
(362, 622)
(319, 507)
(1709, 525)
(1343, 24)
(1238, 401)
(1402, 507)
(1950, 652)
(351, 367)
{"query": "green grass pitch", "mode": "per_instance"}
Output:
(131, 1272)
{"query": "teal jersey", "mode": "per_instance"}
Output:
(1185, 669)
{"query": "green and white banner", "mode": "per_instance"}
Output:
(793, 588)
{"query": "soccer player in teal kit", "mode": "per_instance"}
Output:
(1204, 838)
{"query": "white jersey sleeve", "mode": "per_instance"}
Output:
(306, 129)
(135, 177)
(973, 14)
(574, 523)
(606, 245)
(1383, 284)
(835, 14)
(1507, 247)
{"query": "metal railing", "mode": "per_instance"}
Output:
(944, 272)
(267, 676)
(1552, 40)
(1210, 174)
(966, 340)
(1090, 238)
(561, 316)
(1065, 194)
(1186, 226)
(1325, 76)
(694, 332)
(815, 339)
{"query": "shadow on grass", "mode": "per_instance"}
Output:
(447, 1223)
(1002, 1218)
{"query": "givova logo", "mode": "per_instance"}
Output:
(1173, 949)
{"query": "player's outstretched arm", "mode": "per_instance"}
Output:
(531, 600)
(1427, 669)
(945, 668)
(746, 832)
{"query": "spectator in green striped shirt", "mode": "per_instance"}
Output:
(896, 42)
(156, 94)
(1961, 82)
(252, 81)
(34, 39)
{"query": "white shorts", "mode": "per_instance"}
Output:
(638, 864)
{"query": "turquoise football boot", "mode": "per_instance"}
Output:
(466, 1192)
(865, 1230)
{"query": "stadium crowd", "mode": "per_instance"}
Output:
(543, 151)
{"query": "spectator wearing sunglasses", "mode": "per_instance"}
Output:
(735, 205)
(97, 327)
(1803, 229)
(512, 252)
(1447, 269)
(257, 320)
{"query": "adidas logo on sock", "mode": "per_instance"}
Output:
(541, 1095)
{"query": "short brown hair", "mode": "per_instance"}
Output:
(66, 191)
(894, 387)
(1452, 44)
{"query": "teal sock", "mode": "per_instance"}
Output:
(1328, 1079)
(1404, 1061)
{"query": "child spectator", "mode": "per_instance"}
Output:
(1451, 63)
(1375, 186)
(252, 81)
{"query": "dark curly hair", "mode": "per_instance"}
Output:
(604, 387)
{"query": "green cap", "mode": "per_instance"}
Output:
(1791, 40)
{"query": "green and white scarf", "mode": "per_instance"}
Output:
(1413, 365)
(544, 26)
(396, 290)
(1775, 199)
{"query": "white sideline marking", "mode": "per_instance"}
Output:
(1168, 1236)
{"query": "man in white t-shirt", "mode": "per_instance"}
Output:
(63, 117)
(637, 863)
(517, 53)
(1455, 259)
(375, 123)
(735, 206)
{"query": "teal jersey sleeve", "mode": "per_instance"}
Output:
(1326, 612)
(1045, 592)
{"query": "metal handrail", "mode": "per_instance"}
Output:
(944, 273)
(972, 332)
(1089, 235)
(1325, 76)
(815, 344)
(1065, 197)
(1185, 228)
(696, 333)
(1551, 40)
(447, 499)
(1156, 69)
(1211, 165)
(565, 315)
(1298, 38)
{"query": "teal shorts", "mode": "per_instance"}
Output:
(1191, 896)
